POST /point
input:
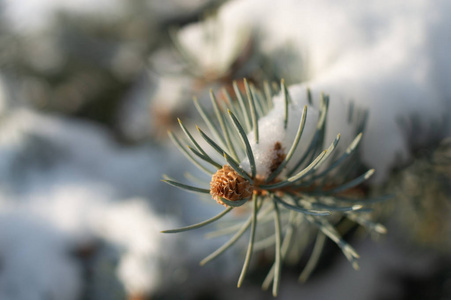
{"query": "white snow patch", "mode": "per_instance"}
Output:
(36, 15)
(388, 57)
(35, 259)
(136, 229)
(73, 179)
(39, 234)
(272, 131)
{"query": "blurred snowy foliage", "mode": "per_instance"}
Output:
(88, 87)
(79, 57)
(388, 58)
(67, 188)
(424, 222)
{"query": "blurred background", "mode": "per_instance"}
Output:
(88, 90)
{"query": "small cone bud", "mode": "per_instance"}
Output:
(228, 184)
